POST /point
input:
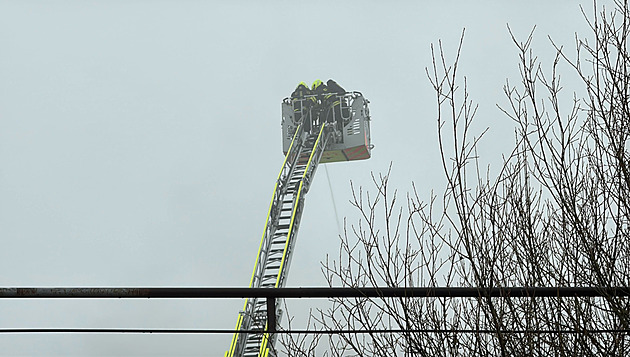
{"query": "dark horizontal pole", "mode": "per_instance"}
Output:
(306, 292)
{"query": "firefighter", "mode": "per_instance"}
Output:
(318, 89)
(301, 104)
(332, 103)
(300, 91)
(333, 87)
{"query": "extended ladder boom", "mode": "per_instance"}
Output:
(278, 240)
(315, 129)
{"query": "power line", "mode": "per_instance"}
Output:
(297, 331)
(307, 292)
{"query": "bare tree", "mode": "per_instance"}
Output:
(556, 214)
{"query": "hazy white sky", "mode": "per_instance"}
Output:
(140, 141)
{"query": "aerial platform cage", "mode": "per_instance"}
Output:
(348, 112)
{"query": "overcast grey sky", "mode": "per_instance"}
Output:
(140, 141)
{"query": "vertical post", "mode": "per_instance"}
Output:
(271, 314)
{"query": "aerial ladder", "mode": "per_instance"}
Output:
(315, 130)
